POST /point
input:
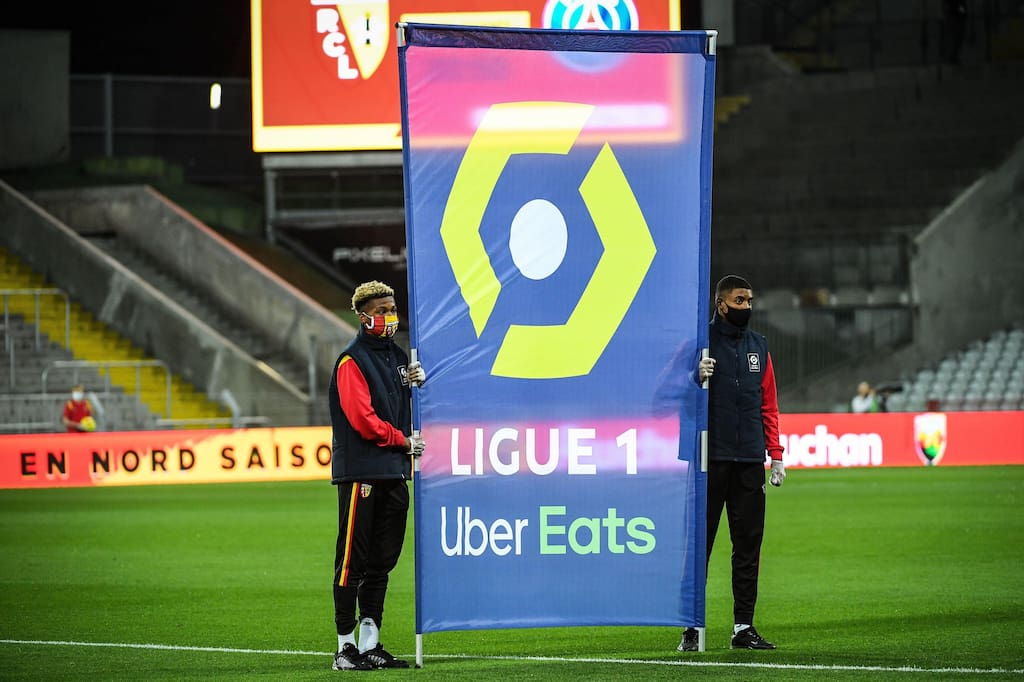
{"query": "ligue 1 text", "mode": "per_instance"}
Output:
(508, 451)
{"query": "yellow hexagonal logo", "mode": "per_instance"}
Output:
(547, 351)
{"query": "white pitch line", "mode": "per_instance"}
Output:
(553, 659)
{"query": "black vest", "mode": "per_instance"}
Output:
(383, 364)
(735, 427)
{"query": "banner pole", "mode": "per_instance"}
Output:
(413, 356)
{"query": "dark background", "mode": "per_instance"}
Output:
(171, 38)
(176, 38)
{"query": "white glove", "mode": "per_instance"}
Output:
(705, 369)
(416, 445)
(778, 473)
(417, 375)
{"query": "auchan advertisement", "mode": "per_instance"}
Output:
(325, 72)
(222, 456)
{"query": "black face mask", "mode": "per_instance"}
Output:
(738, 317)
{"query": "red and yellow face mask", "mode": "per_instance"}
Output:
(381, 325)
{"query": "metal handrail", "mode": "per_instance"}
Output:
(316, 346)
(28, 427)
(236, 422)
(6, 293)
(108, 364)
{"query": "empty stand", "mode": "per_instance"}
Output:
(91, 354)
(987, 375)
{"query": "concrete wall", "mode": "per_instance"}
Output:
(142, 313)
(33, 97)
(200, 255)
(968, 271)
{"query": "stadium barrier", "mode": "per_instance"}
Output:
(282, 454)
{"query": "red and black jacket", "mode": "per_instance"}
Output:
(370, 411)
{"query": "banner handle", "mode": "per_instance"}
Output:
(705, 353)
(413, 356)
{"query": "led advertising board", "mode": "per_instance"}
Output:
(325, 72)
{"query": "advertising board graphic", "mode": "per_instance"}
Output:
(325, 72)
(557, 230)
(164, 457)
(812, 441)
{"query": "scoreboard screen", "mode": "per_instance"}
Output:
(325, 72)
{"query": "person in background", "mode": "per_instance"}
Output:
(743, 426)
(866, 399)
(371, 421)
(76, 410)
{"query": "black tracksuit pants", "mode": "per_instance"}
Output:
(739, 487)
(371, 529)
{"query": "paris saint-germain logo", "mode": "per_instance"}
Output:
(604, 15)
(591, 15)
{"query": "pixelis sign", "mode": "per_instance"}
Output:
(325, 72)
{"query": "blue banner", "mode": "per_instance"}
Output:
(558, 197)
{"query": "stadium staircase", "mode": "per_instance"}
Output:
(93, 341)
(203, 307)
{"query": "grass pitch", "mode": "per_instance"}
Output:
(865, 574)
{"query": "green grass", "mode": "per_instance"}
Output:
(917, 568)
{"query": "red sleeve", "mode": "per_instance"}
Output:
(770, 411)
(67, 409)
(354, 395)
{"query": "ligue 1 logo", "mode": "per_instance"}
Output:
(573, 348)
(930, 437)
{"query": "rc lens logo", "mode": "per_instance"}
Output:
(930, 437)
(354, 34)
(545, 351)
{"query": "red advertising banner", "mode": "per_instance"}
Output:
(224, 455)
(325, 72)
(902, 439)
(162, 457)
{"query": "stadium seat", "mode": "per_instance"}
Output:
(972, 401)
(777, 299)
(993, 399)
(888, 295)
(895, 402)
(849, 296)
(915, 404)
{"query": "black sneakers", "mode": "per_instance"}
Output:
(749, 639)
(689, 641)
(349, 658)
(379, 658)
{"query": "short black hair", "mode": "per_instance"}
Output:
(730, 282)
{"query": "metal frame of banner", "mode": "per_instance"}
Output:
(711, 50)
(401, 40)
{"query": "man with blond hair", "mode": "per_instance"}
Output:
(371, 464)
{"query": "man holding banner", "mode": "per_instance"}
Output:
(371, 421)
(743, 423)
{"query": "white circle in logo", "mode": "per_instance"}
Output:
(538, 239)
